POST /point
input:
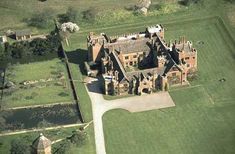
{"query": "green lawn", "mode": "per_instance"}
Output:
(195, 125)
(57, 90)
(88, 148)
(203, 119)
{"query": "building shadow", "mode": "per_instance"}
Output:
(95, 86)
(78, 56)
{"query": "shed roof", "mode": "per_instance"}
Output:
(22, 32)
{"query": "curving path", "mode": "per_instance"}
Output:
(132, 104)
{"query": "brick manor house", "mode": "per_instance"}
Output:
(141, 62)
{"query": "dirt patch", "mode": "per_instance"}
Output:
(231, 15)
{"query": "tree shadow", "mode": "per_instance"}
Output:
(78, 56)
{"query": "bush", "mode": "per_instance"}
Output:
(189, 2)
(41, 20)
(155, 7)
(63, 148)
(90, 14)
(113, 15)
(79, 138)
(63, 94)
(71, 15)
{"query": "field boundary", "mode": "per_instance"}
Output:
(76, 98)
(41, 129)
(36, 106)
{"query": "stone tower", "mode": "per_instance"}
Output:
(41, 145)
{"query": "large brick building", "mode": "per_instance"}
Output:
(142, 62)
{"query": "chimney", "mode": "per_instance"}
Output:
(116, 75)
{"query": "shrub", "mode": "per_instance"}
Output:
(189, 2)
(113, 15)
(41, 20)
(63, 94)
(90, 14)
(79, 138)
(155, 7)
(63, 148)
(71, 15)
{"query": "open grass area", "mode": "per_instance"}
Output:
(48, 84)
(14, 13)
(88, 148)
(195, 125)
(203, 119)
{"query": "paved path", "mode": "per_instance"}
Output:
(132, 104)
(41, 129)
(41, 105)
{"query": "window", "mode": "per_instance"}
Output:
(135, 56)
(131, 63)
(193, 57)
(126, 57)
(188, 65)
(173, 74)
(186, 58)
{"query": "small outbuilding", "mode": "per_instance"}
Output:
(22, 34)
(41, 145)
(3, 39)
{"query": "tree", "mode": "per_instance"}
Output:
(71, 15)
(66, 29)
(19, 147)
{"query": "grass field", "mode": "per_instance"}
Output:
(13, 13)
(41, 92)
(53, 135)
(203, 119)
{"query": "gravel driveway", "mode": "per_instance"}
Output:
(132, 104)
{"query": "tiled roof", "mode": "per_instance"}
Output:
(41, 142)
(130, 46)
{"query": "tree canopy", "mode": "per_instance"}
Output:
(19, 146)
